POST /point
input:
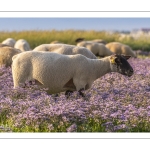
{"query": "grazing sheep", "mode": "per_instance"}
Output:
(65, 49)
(68, 73)
(6, 54)
(99, 41)
(23, 45)
(9, 41)
(4, 45)
(55, 42)
(79, 40)
(96, 41)
(97, 49)
(119, 48)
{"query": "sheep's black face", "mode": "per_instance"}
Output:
(122, 65)
(79, 40)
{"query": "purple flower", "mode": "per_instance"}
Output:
(72, 128)
(113, 98)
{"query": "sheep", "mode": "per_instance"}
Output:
(9, 41)
(22, 44)
(97, 49)
(99, 41)
(119, 48)
(6, 54)
(65, 49)
(4, 45)
(95, 40)
(60, 73)
(55, 42)
(79, 40)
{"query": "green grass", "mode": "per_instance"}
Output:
(37, 37)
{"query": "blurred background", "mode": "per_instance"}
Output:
(134, 32)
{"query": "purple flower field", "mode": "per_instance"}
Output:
(115, 103)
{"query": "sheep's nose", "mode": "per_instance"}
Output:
(130, 73)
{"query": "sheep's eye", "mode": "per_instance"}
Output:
(117, 60)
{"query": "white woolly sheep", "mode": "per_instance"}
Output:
(119, 48)
(22, 44)
(9, 41)
(97, 49)
(4, 45)
(65, 49)
(68, 73)
(95, 40)
(6, 54)
(56, 42)
(99, 41)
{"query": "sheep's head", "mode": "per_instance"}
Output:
(79, 40)
(120, 64)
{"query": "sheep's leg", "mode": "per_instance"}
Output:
(80, 92)
(19, 76)
(68, 93)
(79, 84)
(55, 96)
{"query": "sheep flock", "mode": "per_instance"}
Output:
(70, 86)
(62, 67)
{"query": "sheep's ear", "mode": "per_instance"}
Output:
(113, 59)
(126, 56)
(79, 40)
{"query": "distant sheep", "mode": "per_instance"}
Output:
(65, 49)
(97, 49)
(68, 73)
(23, 45)
(99, 41)
(95, 40)
(6, 54)
(119, 48)
(56, 42)
(9, 41)
(79, 40)
(4, 45)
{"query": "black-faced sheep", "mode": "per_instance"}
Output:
(23, 45)
(119, 48)
(9, 41)
(68, 73)
(65, 49)
(6, 54)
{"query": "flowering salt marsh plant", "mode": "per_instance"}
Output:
(115, 103)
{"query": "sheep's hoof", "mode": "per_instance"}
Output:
(80, 93)
(68, 94)
(56, 95)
